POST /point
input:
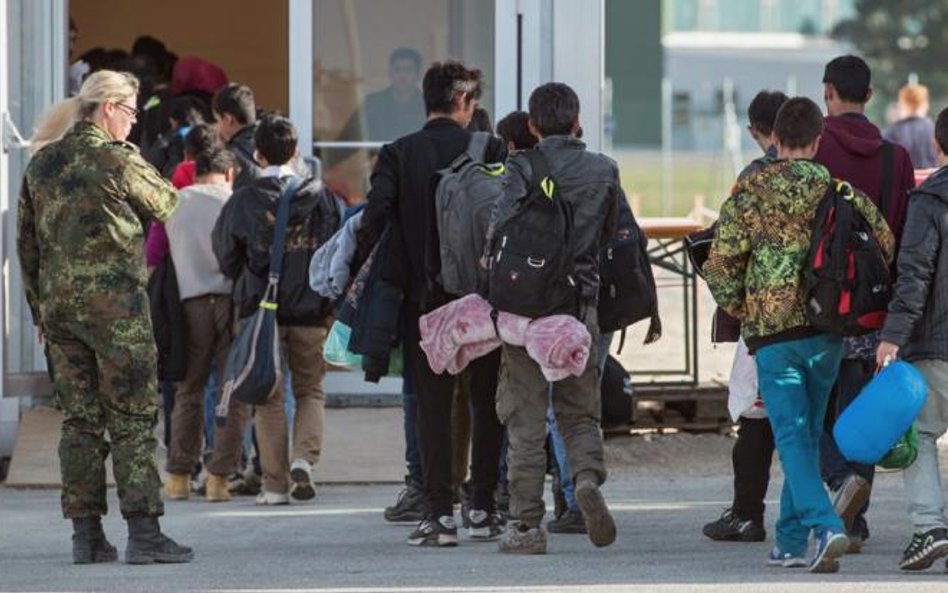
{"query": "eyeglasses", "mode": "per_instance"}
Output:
(128, 109)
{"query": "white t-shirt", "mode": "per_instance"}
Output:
(189, 236)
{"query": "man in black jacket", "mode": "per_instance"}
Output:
(589, 184)
(916, 329)
(403, 188)
(242, 239)
(235, 112)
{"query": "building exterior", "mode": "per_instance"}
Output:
(316, 60)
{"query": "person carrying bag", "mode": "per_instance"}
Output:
(254, 364)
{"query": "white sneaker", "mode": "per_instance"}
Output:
(301, 472)
(272, 498)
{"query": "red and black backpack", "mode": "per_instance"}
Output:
(847, 284)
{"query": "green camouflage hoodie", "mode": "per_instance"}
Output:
(755, 268)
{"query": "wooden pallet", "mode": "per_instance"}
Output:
(690, 409)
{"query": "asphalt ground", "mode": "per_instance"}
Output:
(341, 543)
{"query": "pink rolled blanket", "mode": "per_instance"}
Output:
(461, 331)
(464, 323)
(560, 344)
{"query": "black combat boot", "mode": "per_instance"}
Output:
(148, 545)
(89, 545)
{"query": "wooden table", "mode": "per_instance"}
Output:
(667, 251)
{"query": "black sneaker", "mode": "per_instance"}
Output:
(467, 498)
(441, 532)
(484, 526)
(409, 507)
(571, 522)
(730, 528)
(924, 549)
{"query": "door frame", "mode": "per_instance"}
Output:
(525, 56)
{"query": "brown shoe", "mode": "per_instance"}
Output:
(850, 498)
(600, 525)
(216, 489)
(178, 487)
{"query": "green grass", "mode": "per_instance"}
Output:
(691, 174)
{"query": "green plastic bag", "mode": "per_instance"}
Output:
(903, 452)
(336, 351)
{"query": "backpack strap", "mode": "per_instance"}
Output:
(279, 229)
(540, 169)
(475, 151)
(842, 195)
(887, 172)
(477, 146)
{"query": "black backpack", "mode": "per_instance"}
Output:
(847, 286)
(616, 395)
(627, 292)
(531, 267)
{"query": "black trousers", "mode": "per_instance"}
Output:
(435, 397)
(752, 455)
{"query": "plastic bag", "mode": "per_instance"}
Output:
(336, 351)
(903, 452)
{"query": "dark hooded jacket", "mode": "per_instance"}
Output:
(851, 148)
(918, 313)
(243, 236)
(243, 146)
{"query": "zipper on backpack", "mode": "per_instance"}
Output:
(503, 243)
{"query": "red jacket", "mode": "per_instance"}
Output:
(851, 148)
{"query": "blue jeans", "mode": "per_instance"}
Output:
(795, 379)
(559, 452)
(556, 438)
(410, 415)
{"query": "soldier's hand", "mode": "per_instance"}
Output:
(39, 335)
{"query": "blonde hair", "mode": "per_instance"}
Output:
(913, 97)
(100, 87)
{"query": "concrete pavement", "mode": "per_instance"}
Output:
(342, 544)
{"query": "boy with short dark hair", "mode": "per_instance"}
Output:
(235, 112)
(242, 242)
(402, 198)
(514, 129)
(753, 451)
(755, 270)
(916, 329)
(589, 184)
(853, 149)
(205, 295)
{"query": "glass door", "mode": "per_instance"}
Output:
(33, 57)
(356, 68)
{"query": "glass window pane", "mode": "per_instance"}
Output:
(370, 57)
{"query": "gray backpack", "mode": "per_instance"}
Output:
(465, 196)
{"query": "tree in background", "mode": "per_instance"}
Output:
(898, 38)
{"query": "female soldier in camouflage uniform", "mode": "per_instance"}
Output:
(86, 198)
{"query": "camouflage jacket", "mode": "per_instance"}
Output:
(755, 268)
(84, 205)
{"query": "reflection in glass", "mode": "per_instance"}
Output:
(370, 58)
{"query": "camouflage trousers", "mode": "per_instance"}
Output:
(105, 382)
